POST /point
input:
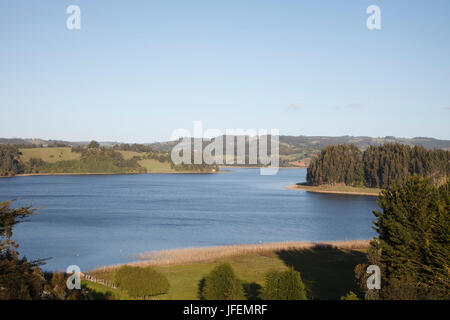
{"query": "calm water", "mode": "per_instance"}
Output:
(92, 221)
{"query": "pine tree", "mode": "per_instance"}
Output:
(222, 284)
(285, 285)
(377, 166)
(413, 240)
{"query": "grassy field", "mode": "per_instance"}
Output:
(327, 271)
(51, 155)
(184, 279)
(130, 154)
(155, 166)
(152, 165)
(338, 189)
(100, 292)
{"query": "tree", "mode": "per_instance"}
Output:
(19, 279)
(222, 284)
(34, 165)
(285, 285)
(141, 282)
(377, 166)
(93, 145)
(9, 217)
(10, 163)
(413, 244)
(55, 288)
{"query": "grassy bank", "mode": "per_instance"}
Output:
(326, 268)
(337, 189)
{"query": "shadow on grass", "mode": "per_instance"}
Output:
(200, 287)
(252, 290)
(327, 272)
(98, 295)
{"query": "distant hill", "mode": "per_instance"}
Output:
(292, 148)
(43, 142)
(297, 148)
(320, 142)
(313, 144)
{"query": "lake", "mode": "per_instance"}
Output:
(97, 220)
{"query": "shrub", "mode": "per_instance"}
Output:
(350, 296)
(285, 285)
(140, 282)
(222, 284)
(55, 288)
(19, 278)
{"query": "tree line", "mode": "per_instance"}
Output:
(377, 166)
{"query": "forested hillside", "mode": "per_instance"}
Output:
(91, 158)
(377, 166)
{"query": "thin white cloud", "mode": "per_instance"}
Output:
(353, 105)
(295, 106)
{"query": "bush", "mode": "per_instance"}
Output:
(285, 285)
(350, 296)
(55, 288)
(222, 284)
(140, 282)
(19, 278)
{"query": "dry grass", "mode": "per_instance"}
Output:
(211, 254)
(337, 189)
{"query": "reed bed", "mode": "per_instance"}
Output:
(211, 254)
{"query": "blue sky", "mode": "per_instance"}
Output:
(137, 70)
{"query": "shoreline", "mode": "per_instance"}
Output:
(192, 255)
(135, 173)
(102, 173)
(254, 167)
(318, 189)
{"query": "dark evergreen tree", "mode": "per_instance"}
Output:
(285, 285)
(377, 166)
(222, 284)
(413, 244)
(19, 278)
